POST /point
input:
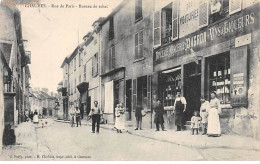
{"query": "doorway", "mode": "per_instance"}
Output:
(129, 98)
(192, 88)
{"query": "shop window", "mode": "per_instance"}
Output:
(111, 58)
(219, 77)
(138, 10)
(111, 28)
(139, 48)
(171, 84)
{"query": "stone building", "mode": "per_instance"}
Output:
(209, 46)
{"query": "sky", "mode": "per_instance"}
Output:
(53, 34)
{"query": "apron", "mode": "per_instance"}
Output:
(179, 107)
(213, 122)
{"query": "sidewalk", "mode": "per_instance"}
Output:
(194, 141)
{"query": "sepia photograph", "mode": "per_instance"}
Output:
(129, 80)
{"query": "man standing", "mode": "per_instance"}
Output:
(78, 118)
(179, 109)
(204, 109)
(158, 119)
(138, 116)
(95, 113)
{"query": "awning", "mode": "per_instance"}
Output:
(82, 87)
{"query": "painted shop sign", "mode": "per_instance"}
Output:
(239, 24)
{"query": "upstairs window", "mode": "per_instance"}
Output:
(138, 10)
(79, 59)
(111, 28)
(166, 31)
(95, 65)
(139, 48)
(111, 58)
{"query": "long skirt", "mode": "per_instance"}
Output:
(35, 119)
(213, 122)
(120, 122)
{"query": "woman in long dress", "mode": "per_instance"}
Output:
(120, 122)
(35, 118)
(213, 117)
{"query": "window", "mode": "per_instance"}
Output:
(111, 28)
(75, 64)
(85, 73)
(166, 30)
(111, 58)
(139, 49)
(219, 77)
(79, 59)
(95, 65)
(138, 10)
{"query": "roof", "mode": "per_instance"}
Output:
(116, 10)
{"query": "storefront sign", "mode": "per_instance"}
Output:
(189, 17)
(240, 24)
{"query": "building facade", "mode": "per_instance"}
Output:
(12, 48)
(219, 53)
(127, 58)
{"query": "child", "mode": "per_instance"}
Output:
(195, 123)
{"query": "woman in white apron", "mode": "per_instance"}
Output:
(120, 122)
(213, 117)
(35, 118)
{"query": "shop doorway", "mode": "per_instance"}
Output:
(142, 91)
(129, 98)
(192, 88)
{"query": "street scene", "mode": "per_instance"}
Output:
(130, 80)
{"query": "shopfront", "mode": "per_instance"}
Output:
(113, 92)
(214, 58)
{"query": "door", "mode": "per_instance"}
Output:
(129, 98)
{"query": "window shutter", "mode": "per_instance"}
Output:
(175, 18)
(136, 46)
(234, 6)
(239, 77)
(134, 94)
(203, 13)
(149, 80)
(110, 59)
(157, 28)
(141, 36)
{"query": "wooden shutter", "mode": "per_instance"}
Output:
(149, 80)
(203, 13)
(134, 94)
(157, 28)
(175, 20)
(239, 77)
(234, 6)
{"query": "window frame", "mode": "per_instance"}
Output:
(138, 45)
(138, 10)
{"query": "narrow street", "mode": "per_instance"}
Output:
(62, 142)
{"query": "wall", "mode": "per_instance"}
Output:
(1, 104)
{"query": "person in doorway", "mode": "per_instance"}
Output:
(158, 118)
(179, 109)
(119, 122)
(78, 117)
(195, 123)
(204, 109)
(213, 118)
(138, 116)
(95, 113)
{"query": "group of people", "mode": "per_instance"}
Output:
(75, 115)
(207, 118)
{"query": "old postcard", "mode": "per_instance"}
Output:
(129, 80)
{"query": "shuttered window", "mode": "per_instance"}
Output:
(234, 6)
(175, 18)
(111, 28)
(134, 94)
(138, 10)
(111, 58)
(149, 79)
(239, 77)
(203, 13)
(157, 28)
(139, 45)
(95, 65)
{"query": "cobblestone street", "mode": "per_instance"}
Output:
(61, 142)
